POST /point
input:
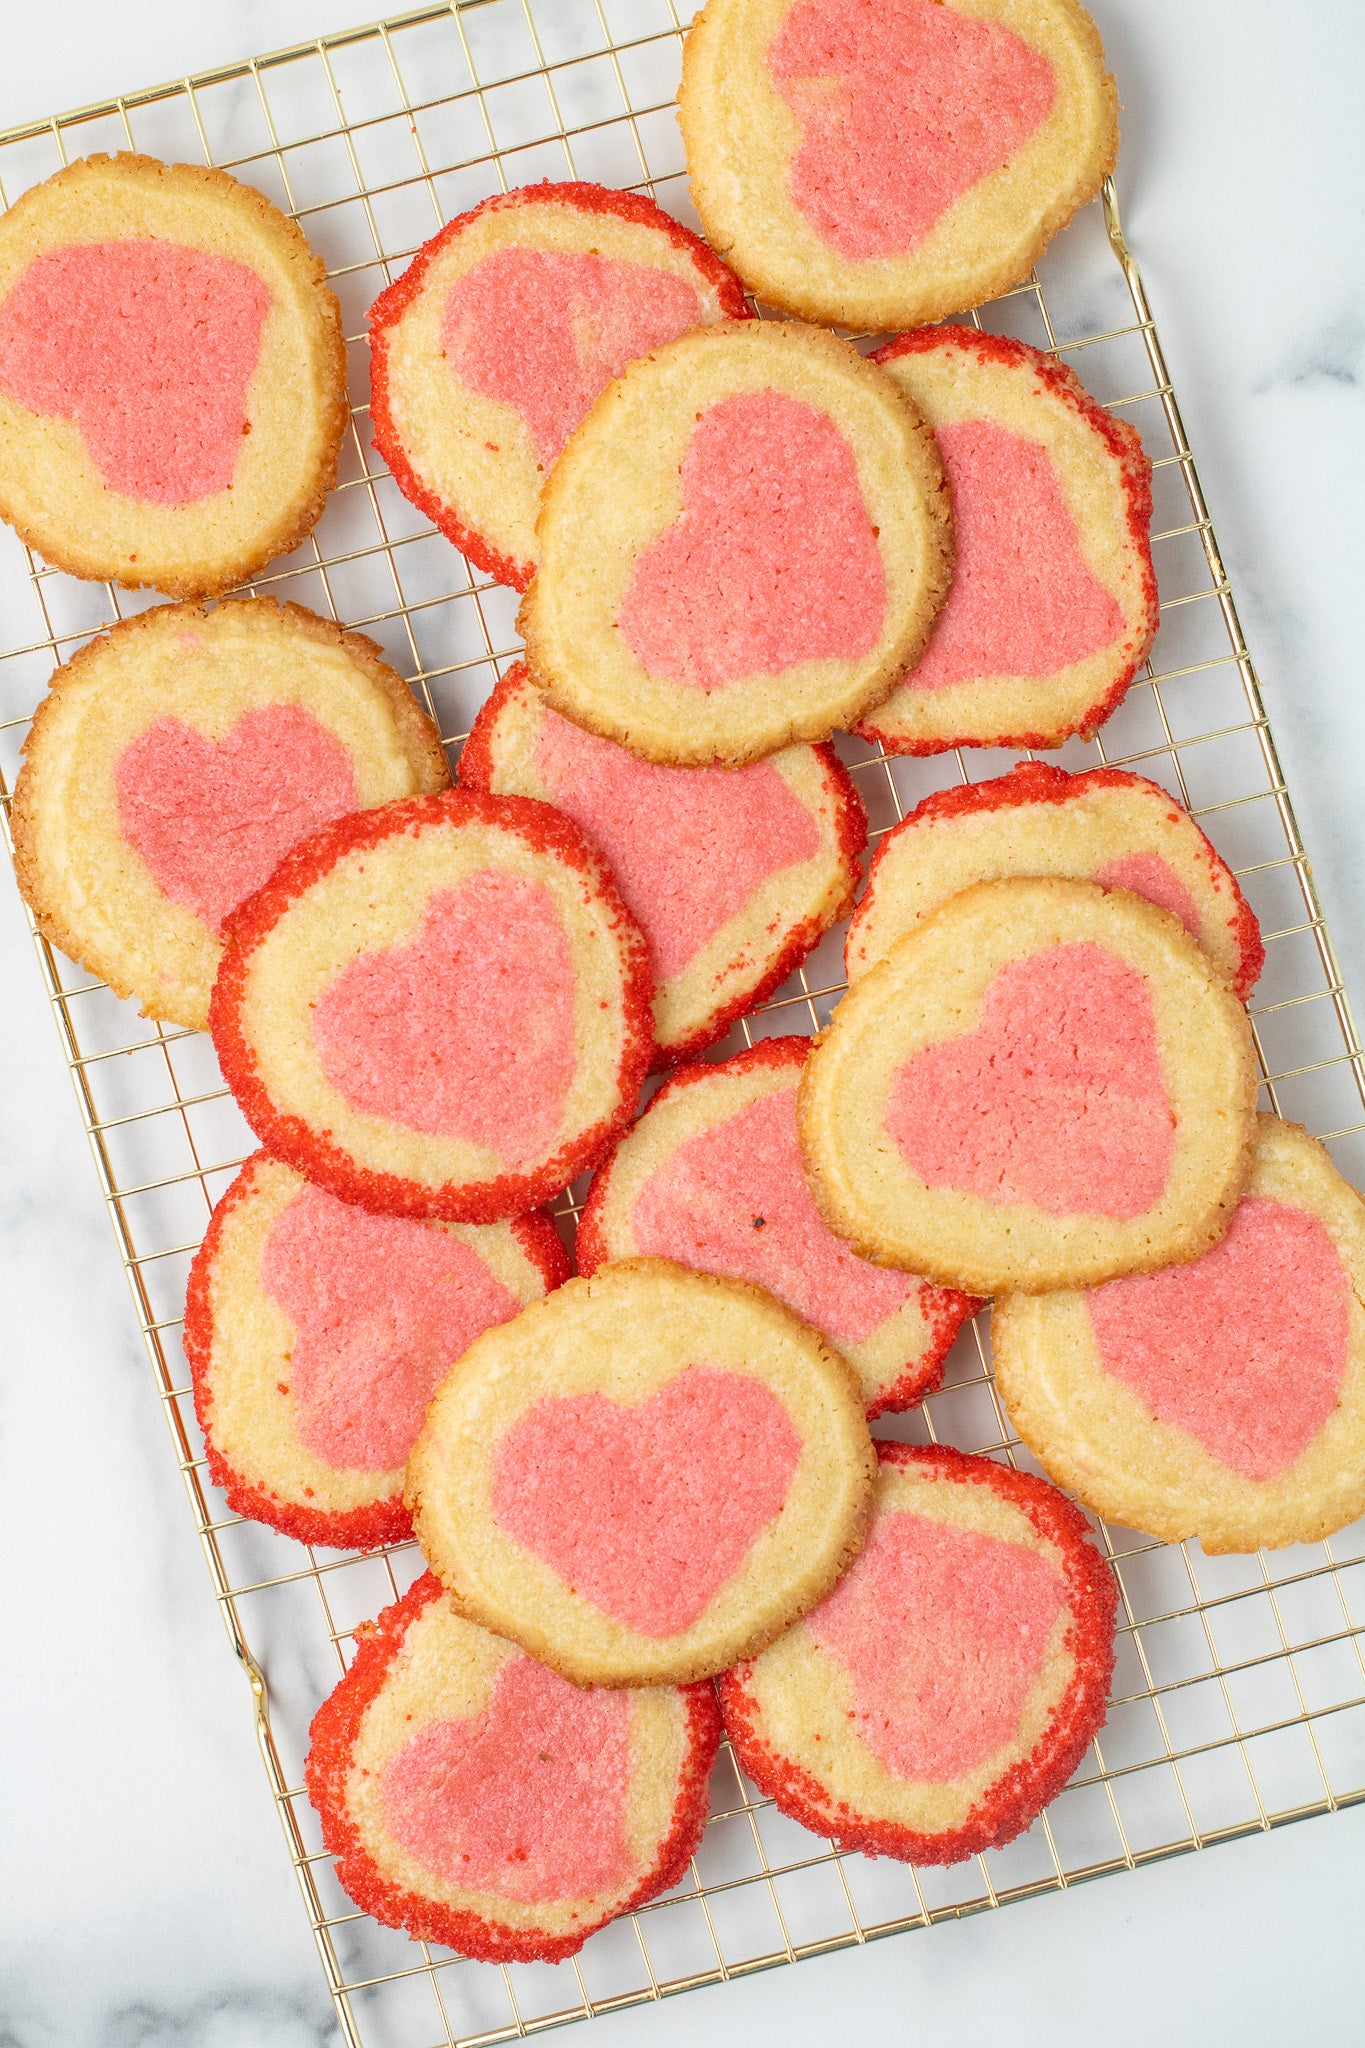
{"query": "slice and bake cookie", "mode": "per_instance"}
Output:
(490, 348)
(711, 1176)
(437, 1009)
(1104, 826)
(1054, 598)
(731, 874)
(949, 1686)
(1225, 1399)
(175, 761)
(873, 163)
(172, 375)
(474, 1798)
(1044, 1084)
(744, 544)
(645, 1476)
(317, 1334)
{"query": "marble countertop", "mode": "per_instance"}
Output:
(145, 1898)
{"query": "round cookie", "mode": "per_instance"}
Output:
(1104, 826)
(877, 163)
(711, 1176)
(508, 324)
(731, 874)
(1225, 1399)
(440, 1008)
(317, 1334)
(172, 375)
(476, 1799)
(1054, 600)
(175, 761)
(1044, 1084)
(743, 544)
(646, 1475)
(943, 1694)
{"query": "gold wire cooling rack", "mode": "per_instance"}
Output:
(1239, 1694)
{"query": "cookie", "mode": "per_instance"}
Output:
(731, 874)
(743, 544)
(175, 761)
(711, 1176)
(440, 1008)
(508, 324)
(877, 163)
(1054, 600)
(1104, 826)
(1044, 1084)
(1225, 1399)
(317, 1334)
(478, 1800)
(646, 1475)
(946, 1690)
(172, 375)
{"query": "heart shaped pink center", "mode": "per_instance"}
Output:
(905, 105)
(1147, 874)
(1245, 1348)
(381, 1308)
(527, 1799)
(546, 332)
(689, 847)
(1023, 601)
(647, 1511)
(944, 1632)
(214, 818)
(150, 348)
(773, 560)
(466, 1032)
(1056, 1099)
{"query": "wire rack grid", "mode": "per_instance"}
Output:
(1239, 1696)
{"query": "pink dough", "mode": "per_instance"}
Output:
(1147, 874)
(381, 1308)
(944, 1632)
(689, 847)
(733, 1200)
(214, 818)
(1246, 1347)
(904, 106)
(546, 332)
(466, 1032)
(647, 1511)
(1023, 602)
(773, 561)
(527, 1799)
(1056, 1099)
(150, 348)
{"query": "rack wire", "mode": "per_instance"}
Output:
(1239, 1692)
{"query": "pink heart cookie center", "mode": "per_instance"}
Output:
(944, 1632)
(1147, 874)
(1056, 1099)
(467, 1031)
(214, 818)
(527, 1799)
(150, 348)
(647, 1511)
(1246, 1347)
(773, 560)
(381, 1308)
(904, 106)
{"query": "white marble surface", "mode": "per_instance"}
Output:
(146, 1897)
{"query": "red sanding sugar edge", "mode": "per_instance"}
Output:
(1017, 1798)
(376, 1522)
(1135, 475)
(1038, 782)
(392, 303)
(314, 1153)
(333, 1734)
